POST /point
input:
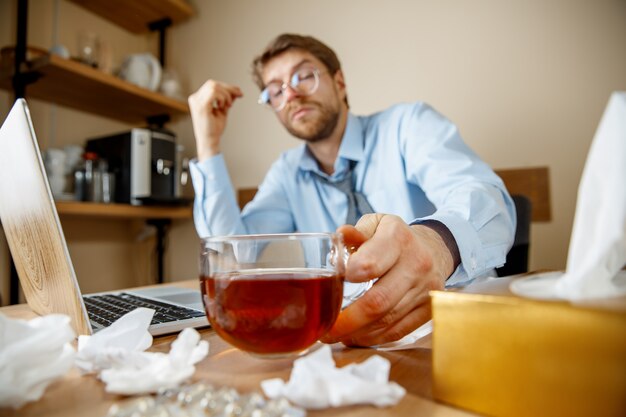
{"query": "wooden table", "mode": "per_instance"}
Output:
(84, 396)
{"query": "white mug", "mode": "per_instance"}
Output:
(143, 70)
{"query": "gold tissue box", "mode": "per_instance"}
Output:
(505, 356)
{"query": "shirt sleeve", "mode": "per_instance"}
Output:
(216, 211)
(469, 198)
(215, 208)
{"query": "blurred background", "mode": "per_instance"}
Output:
(526, 82)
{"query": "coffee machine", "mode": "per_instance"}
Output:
(146, 164)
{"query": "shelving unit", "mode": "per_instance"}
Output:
(75, 85)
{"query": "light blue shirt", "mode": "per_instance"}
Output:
(411, 162)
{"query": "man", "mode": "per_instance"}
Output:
(440, 216)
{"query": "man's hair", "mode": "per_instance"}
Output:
(286, 41)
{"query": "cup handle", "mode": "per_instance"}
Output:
(353, 290)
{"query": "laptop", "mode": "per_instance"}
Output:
(39, 250)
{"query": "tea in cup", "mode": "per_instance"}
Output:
(273, 295)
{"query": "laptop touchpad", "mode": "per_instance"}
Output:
(183, 298)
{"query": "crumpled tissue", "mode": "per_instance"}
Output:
(33, 354)
(597, 250)
(316, 382)
(117, 353)
(120, 343)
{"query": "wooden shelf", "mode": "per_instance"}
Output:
(119, 211)
(76, 85)
(135, 16)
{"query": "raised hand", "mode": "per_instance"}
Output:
(209, 110)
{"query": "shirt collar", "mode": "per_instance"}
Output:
(351, 149)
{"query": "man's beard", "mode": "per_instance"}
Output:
(316, 129)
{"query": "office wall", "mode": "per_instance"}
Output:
(525, 81)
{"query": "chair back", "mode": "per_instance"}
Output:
(529, 188)
(517, 258)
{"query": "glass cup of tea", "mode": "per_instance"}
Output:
(274, 295)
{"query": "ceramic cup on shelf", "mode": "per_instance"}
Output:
(143, 70)
(60, 50)
(54, 162)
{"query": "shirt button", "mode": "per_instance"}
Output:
(211, 177)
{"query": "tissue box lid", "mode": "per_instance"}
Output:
(502, 355)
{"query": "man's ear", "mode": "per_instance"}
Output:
(340, 82)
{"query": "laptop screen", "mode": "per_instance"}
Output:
(31, 224)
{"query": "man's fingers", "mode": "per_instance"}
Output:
(374, 259)
(398, 303)
(352, 237)
(381, 252)
(223, 97)
(215, 95)
(374, 304)
(228, 93)
(368, 224)
(414, 299)
(234, 91)
(366, 262)
(397, 331)
(362, 231)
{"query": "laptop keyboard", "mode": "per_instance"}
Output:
(105, 309)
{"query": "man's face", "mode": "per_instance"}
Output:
(309, 117)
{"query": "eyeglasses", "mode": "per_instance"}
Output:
(305, 82)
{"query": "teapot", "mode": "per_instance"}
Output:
(143, 70)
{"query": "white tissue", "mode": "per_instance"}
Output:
(157, 371)
(117, 353)
(597, 250)
(122, 342)
(316, 383)
(32, 355)
(408, 341)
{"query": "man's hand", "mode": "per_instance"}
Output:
(409, 262)
(209, 109)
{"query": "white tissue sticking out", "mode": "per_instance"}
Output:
(316, 383)
(597, 250)
(408, 341)
(33, 354)
(117, 352)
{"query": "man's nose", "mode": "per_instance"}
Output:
(290, 93)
